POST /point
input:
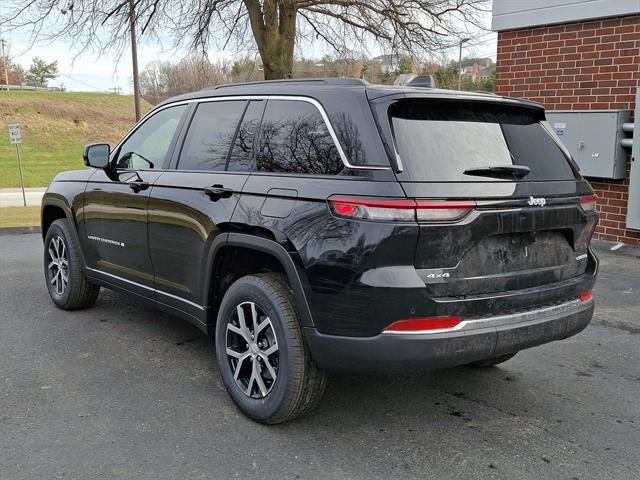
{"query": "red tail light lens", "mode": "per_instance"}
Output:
(588, 203)
(399, 210)
(584, 296)
(423, 324)
(373, 209)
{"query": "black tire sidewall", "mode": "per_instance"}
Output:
(268, 409)
(58, 229)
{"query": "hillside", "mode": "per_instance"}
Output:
(55, 127)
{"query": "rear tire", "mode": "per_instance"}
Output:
(491, 362)
(67, 284)
(263, 358)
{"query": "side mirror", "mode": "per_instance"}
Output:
(96, 155)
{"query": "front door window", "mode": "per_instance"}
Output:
(148, 147)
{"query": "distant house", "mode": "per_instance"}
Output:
(485, 73)
(479, 69)
(388, 63)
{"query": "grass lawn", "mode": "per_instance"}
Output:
(19, 217)
(55, 128)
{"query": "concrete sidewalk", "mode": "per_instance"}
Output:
(12, 197)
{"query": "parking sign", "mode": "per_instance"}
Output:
(15, 136)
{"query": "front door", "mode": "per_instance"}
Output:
(192, 203)
(117, 199)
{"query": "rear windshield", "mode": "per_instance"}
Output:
(441, 140)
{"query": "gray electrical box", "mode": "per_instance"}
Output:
(633, 213)
(593, 138)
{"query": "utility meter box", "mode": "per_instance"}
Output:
(593, 139)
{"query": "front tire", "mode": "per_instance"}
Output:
(67, 284)
(263, 359)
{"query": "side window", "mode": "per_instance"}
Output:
(149, 145)
(210, 135)
(294, 139)
(241, 154)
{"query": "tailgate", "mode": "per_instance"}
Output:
(505, 243)
(533, 216)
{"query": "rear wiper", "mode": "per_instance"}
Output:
(500, 171)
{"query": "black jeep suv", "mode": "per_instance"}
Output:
(320, 225)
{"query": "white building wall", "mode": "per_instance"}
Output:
(514, 14)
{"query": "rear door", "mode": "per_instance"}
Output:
(527, 228)
(295, 151)
(297, 163)
(192, 203)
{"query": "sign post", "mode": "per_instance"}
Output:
(15, 138)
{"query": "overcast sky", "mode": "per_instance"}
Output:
(100, 73)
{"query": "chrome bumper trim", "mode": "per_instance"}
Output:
(540, 315)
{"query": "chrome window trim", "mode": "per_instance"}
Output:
(295, 98)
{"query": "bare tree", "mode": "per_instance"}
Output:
(160, 80)
(275, 27)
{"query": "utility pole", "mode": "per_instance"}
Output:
(5, 62)
(464, 40)
(134, 58)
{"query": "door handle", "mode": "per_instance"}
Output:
(216, 192)
(138, 185)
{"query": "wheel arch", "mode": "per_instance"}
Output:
(267, 254)
(51, 211)
(55, 209)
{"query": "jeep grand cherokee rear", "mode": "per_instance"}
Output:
(318, 225)
(496, 222)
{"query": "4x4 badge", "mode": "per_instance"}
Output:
(540, 202)
(438, 275)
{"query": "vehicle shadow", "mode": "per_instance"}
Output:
(348, 399)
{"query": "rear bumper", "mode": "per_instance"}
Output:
(470, 341)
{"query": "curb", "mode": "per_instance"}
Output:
(19, 230)
(616, 248)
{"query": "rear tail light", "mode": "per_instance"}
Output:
(400, 210)
(373, 209)
(584, 296)
(588, 203)
(423, 324)
(443, 211)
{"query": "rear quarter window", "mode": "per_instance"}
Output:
(295, 139)
(440, 140)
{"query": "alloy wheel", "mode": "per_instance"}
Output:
(252, 350)
(58, 266)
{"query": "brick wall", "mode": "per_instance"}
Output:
(592, 65)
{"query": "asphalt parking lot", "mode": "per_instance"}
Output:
(124, 392)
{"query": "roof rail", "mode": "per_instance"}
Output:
(323, 81)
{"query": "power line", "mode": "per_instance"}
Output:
(84, 83)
